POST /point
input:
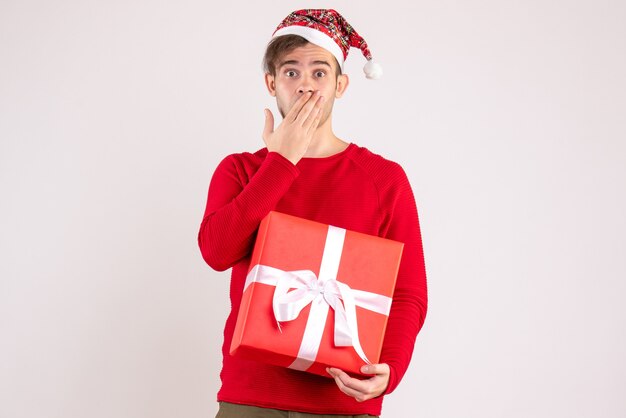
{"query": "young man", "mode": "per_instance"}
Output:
(305, 170)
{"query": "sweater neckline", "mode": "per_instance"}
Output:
(332, 157)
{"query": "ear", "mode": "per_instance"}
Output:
(342, 85)
(270, 84)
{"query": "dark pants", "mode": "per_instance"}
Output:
(231, 410)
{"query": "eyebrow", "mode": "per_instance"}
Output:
(295, 62)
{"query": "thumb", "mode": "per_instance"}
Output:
(375, 369)
(269, 123)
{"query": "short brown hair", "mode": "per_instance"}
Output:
(280, 46)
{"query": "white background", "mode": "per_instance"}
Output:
(508, 116)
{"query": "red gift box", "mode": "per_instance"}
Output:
(316, 296)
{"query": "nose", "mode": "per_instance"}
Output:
(303, 90)
(305, 84)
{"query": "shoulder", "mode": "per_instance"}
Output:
(245, 157)
(243, 161)
(385, 172)
(242, 165)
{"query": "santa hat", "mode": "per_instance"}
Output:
(328, 29)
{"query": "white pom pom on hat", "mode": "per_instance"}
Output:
(328, 29)
(373, 70)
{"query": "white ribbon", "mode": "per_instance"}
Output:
(322, 293)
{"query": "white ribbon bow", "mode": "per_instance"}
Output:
(322, 293)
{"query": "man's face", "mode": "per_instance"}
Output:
(306, 68)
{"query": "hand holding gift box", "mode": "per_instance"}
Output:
(316, 296)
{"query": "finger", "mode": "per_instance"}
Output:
(337, 375)
(269, 124)
(307, 108)
(375, 369)
(357, 385)
(297, 106)
(315, 116)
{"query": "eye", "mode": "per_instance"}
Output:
(288, 72)
(323, 73)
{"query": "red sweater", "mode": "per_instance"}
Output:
(353, 189)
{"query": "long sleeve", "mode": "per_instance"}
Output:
(235, 209)
(410, 300)
(353, 189)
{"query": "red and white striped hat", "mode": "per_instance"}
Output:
(328, 29)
